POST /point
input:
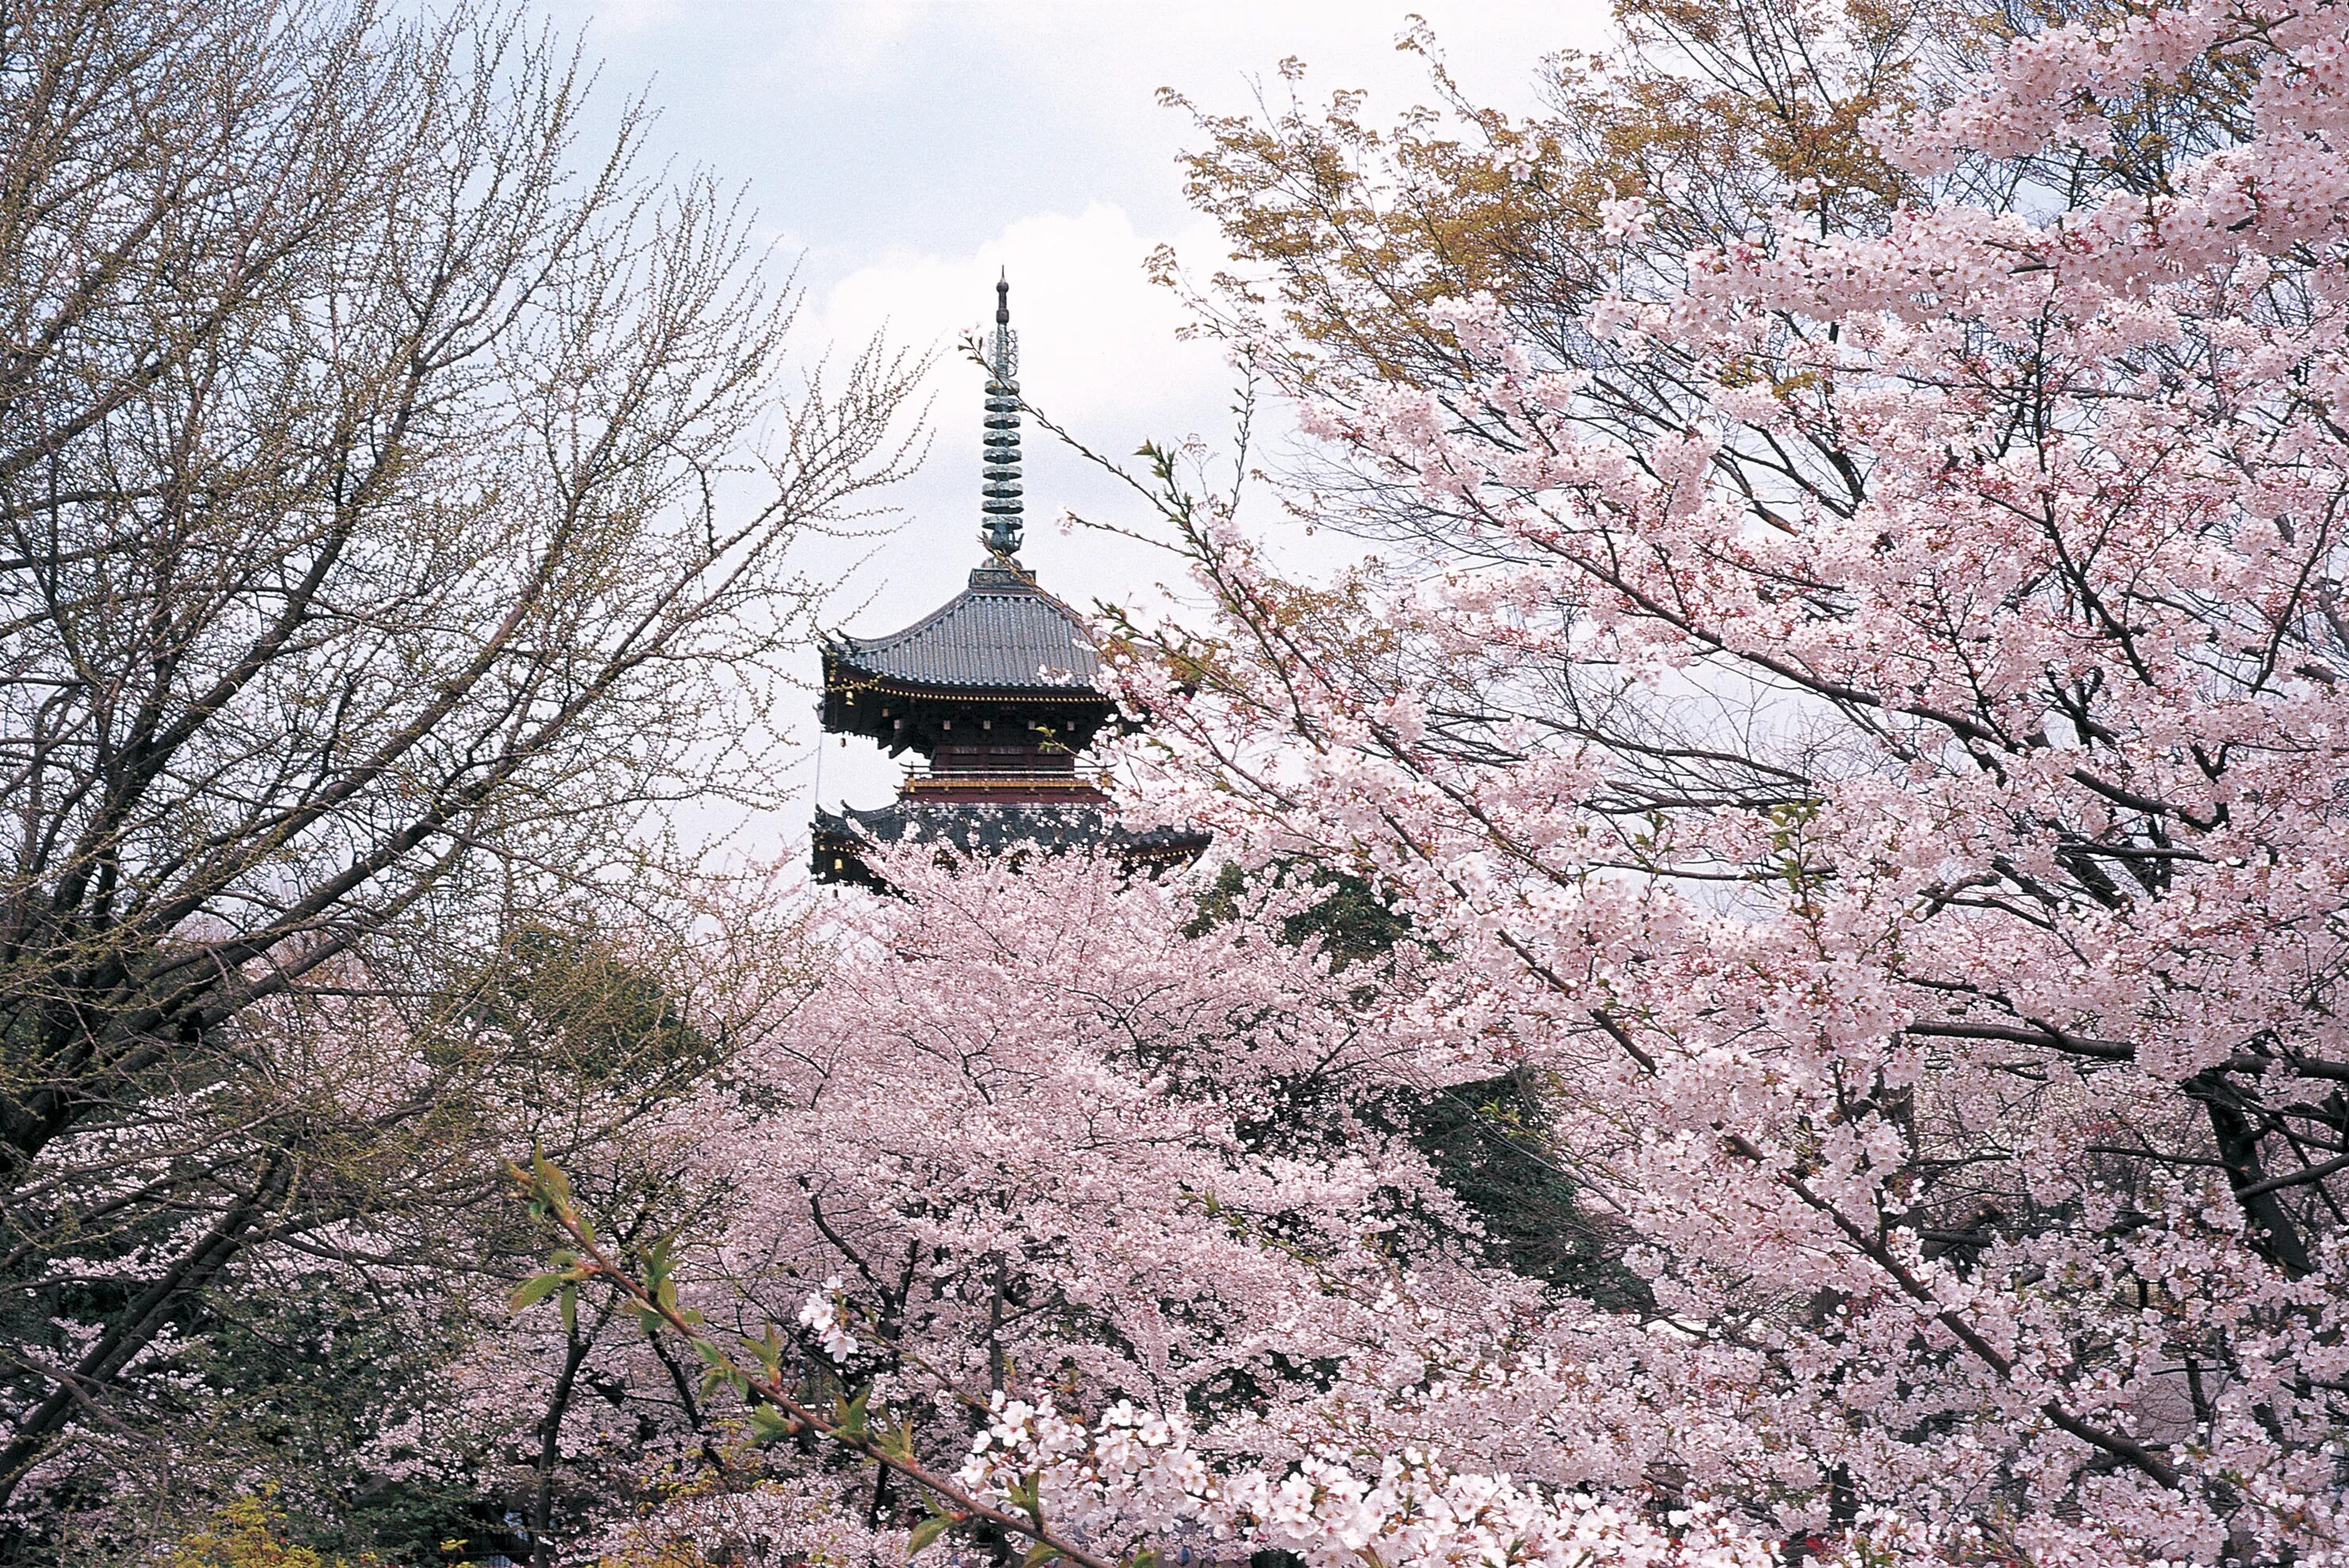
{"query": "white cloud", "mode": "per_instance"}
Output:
(854, 38)
(614, 20)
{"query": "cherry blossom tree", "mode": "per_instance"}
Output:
(1043, 1134)
(1900, 804)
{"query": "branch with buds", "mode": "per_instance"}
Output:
(649, 1294)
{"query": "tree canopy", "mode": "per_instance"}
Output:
(1767, 988)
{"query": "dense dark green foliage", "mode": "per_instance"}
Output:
(297, 1379)
(1488, 1140)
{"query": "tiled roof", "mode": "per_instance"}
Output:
(1001, 633)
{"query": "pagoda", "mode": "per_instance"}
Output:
(998, 692)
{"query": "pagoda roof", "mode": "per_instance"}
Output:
(1001, 633)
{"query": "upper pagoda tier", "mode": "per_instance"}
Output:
(1002, 664)
(998, 690)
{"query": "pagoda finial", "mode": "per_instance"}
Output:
(1000, 504)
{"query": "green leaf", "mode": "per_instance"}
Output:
(570, 1301)
(851, 1415)
(1040, 1554)
(551, 1179)
(768, 1424)
(1026, 1494)
(1147, 1557)
(927, 1534)
(722, 1370)
(532, 1291)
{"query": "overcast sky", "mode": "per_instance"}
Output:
(901, 151)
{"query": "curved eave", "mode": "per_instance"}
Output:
(870, 703)
(842, 676)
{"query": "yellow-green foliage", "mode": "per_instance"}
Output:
(246, 1533)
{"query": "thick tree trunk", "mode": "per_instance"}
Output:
(550, 1449)
(2272, 1229)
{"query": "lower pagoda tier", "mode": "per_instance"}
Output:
(993, 828)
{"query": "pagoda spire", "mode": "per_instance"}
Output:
(1000, 504)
